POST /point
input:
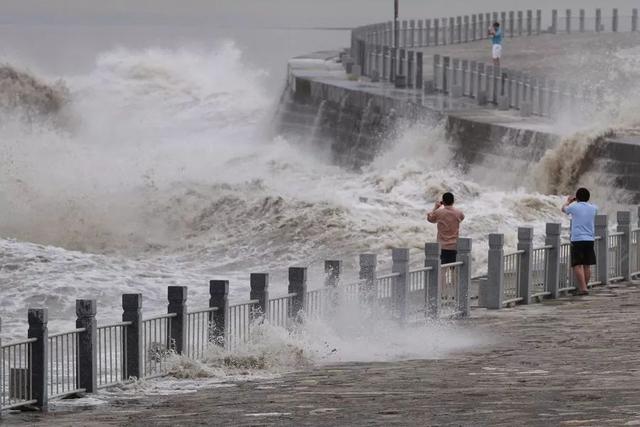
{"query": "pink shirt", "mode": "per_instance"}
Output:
(448, 220)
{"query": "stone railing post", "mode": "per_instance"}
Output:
(432, 287)
(598, 20)
(512, 24)
(218, 297)
(298, 286)
(464, 255)
(412, 33)
(525, 243)
(405, 25)
(133, 358)
(393, 69)
(474, 27)
(332, 271)
(520, 19)
(552, 274)
(39, 366)
(436, 32)
(487, 17)
(538, 22)
(568, 21)
(494, 286)
(529, 22)
(420, 33)
(624, 226)
(400, 259)
(259, 283)
(427, 30)
(582, 18)
(419, 70)
(452, 29)
(602, 231)
(368, 266)
(634, 20)
(411, 69)
(614, 21)
(554, 21)
(503, 22)
(436, 70)
(87, 347)
(466, 28)
(459, 29)
(446, 80)
(177, 333)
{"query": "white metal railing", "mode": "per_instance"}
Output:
(634, 252)
(279, 310)
(15, 375)
(540, 266)
(615, 256)
(317, 300)
(112, 354)
(238, 324)
(450, 288)
(200, 332)
(156, 345)
(512, 263)
(418, 292)
(63, 363)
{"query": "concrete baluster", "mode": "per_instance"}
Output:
(405, 26)
(520, 23)
(542, 84)
(582, 18)
(624, 226)
(432, 287)
(474, 27)
(39, 366)
(410, 69)
(503, 22)
(538, 22)
(87, 345)
(459, 29)
(464, 73)
(490, 83)
(554, 21)
(483, 26)
(464, 256)
(481, 89)
(487, 17)
(393, 65)
(614, 21)
(436, 32)
(446, 74)
(466, 28)
(177, 333)
(259, 283)
(634, 20)
(437, 83)
(218, 297)
(525, 243)
(420, 42)
(427, 30)
(493, 288)
(529, 22)
(512, 24)
(552, 272)
(452, 30)
(598, 20)
(494, 17)
(133, 342)
(473, 78)
(602, 231)
(400, 264)
(568, 21)
(419, 70)
(412, 33)
(297, 286)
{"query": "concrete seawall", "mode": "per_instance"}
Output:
(355, 119)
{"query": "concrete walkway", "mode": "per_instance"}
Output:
(570, 362)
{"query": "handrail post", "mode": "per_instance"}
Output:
(259, 283)
(87, 351)
(529, 22)
(525, 243)
(520, 19)
(552, 275)
(332, 271)
(39, 366)
(432, 287)
(133, 357)
(419, 70)
(297, 285)
(218, 297)
(582, 19)
(400, 293)
(634, 20)
(177, 333)
(554, 21)
(602, 231)
(368, 265)
(598, 20)
(538, 21)
(464, 255)
(624, 226)
(568, 21)
(512, 24)
(614, 23)
(494, 287)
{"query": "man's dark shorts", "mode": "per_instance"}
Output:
(582, 253)
(447, 256)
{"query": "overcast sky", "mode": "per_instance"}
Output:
(265, 13)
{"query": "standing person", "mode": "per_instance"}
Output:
(583, 254)
(496, 43)
(448, 220)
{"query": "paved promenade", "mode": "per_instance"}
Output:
(571, 362)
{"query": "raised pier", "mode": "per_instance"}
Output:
(350, 102)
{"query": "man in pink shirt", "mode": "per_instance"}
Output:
(448, 220)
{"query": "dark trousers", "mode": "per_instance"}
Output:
(447, 256)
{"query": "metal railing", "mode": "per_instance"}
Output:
(615, 256)
(200, 332)
(15, 375)
(63, 364)
(239, 324)
(384, 291)
(540, 265)
(112, 353)
(450, 288)
(634, 252)
(512, 264)
(157, 345)
(279, 309)
(317, 300)
(417, 298)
